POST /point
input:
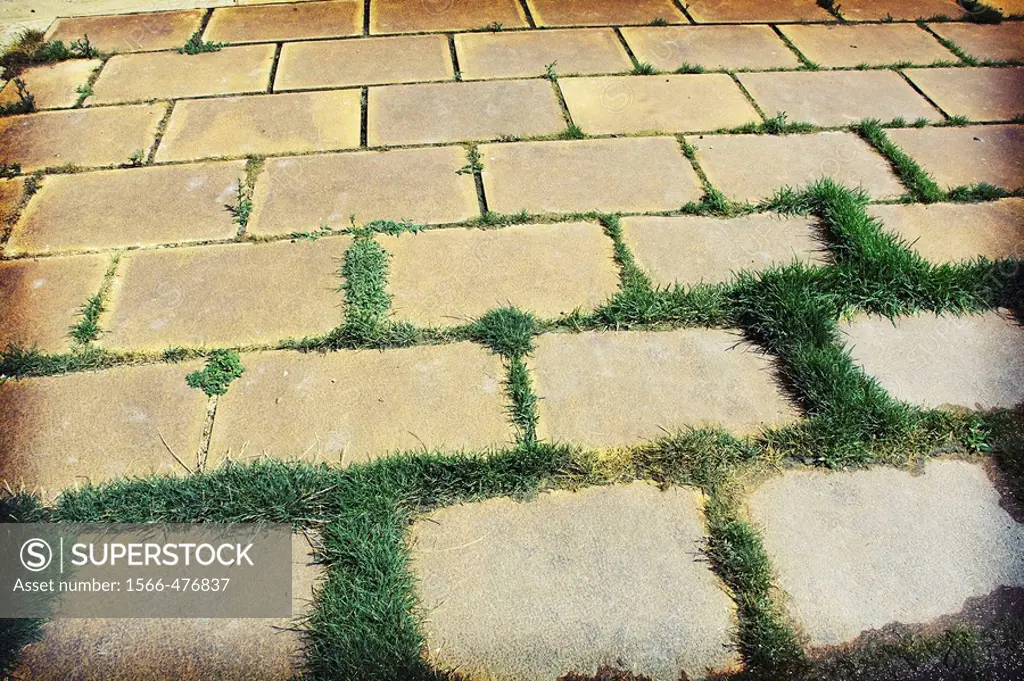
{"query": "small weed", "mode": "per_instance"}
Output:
(572, 132)
(222, 367)
(549, 72)
(473, 163)
(84, 91)
(87, 328)
(642, 68)
(390, 227)
(507, 331)
(196, 45)
(30, 48)
(313, 235)
(958, 121)
(831, 6)
(659, 21)
(137, 158)
(687, 67)
(26, 100)
(494, 26)
(952, 47)
(242, 208)
(8, 170)
(976, 193)
(779, 125)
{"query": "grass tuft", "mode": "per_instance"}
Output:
(222, 367)
(196, 45)
(507, 331)
(642, 68)
(913, 176)
(687, 67)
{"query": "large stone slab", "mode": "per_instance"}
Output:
(449, 276)
(130, 207)
(975, 153)
(305, 193)
(331, 407)
(636, 174)
(263, 23)
(52, 86)
(399, 16)
(1004, 41)
(229, 295)
(65, 431)
(747, 11)
(900, 10)
(605, 389)
(974, 361)
(525, 54)
(859, 550)
(603, 12)
(980, 94)
(570, 582)
(130, 32)
(872, 44)
(712, 47)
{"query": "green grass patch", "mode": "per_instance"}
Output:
(196, 45)
(30, 48)
(222, 367)
(913, 176)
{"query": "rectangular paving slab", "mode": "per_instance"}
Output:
(975, 153)
(744, 11)
(606, 389)
(859, 550)
(980, 94)
(603, 12)
(871, 44)
(899, 10)
(130, 32)
(450, 276)
(399, 16)
(329, 407)
(570, 582)
(983, 41)
(295, 21)
(526, 54)
(52, 86)
(711, 47)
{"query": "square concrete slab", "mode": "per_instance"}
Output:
(328, 407)
(42, 299)
(607, 389)
(451, 112)
(82, 137)
(11, 193)
(690, 249)
(948, 232)
(900, 10)
(450, 276)
(636, 175)
(525, 54)
(130, 32)
(840, 97)
(975, 153)
(225, 296)
(750, 11)
(399, 16)
(753, 167)
(169, 75)
(980, 94)
(712, 47)
(262, 124)
(858, 550)
(975, 361)
(52, 86)
(669, 103)
(130, 207)
(420, 185)
(263, 23)
(983, 41)
(603, 12)
(66, 431)
(871, 44)
(366, 61)
(569, 582)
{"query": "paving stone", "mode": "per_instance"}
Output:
(984, 41)
(667, 103)
(753, 167)
(694, 249)
(451, 112)
(980, 94)
(603, 12)
(187, 649)
(570, 582)
(11, 192)
(526, 54)
(262, 124)
(871, 44)
(840, 97)
(958, 156)
(974, 361)
(1009, 8)
(65, 431)
(82, 137)
(399, 16)
(328, 408)
(712, 47)
(900, 10)
(859, 550)
(366, 61)
(130, 32)
(130, 207)
(636, 175)
(233, 295)
(747, 11)
(420, 185)
(52, 86)
(262, 23)
(449, 276)
(606, 389)
(169, 75)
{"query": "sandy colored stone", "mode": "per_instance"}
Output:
(900, 10)
(366, 61)
(1009, 8)
(526, 54)
(401, 16)
(871, 44)
(263, 23)
(420, 185)
(572, 581)
(232, 295)
(52, 86)
(859, 550)
(170, 75)
(666, 103)
(748, 11)
(980, 94)
(712, 47)
(636, 174)
(66, 431)
(984, 41)
(451, 112)
(130, 207)
(450, 276)
(330, 407)
(693, 249)
(130, 32)
(189, 649)
(41, 299)
(976, 153)
(603, 12)
(11, 192)
(607, 389)
(82, 137)
(262, 124)
(839, 97)
(753, 167)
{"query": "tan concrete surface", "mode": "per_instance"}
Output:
(712, 47)
(130, 32)
(399, 16)
(11, 192)
(264, 23)
(526, 54)
(959, 156)
(603, 12)
(52, 86)
(983, 41)
(872, 44)
(745, 11)
(900, 10)
(980, 94)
